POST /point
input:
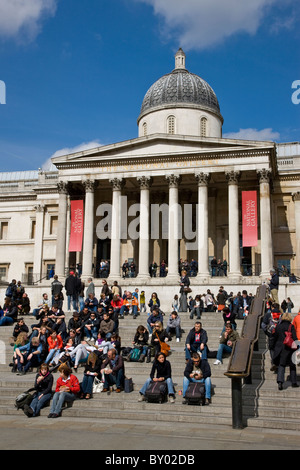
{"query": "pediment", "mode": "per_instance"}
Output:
(162, 146)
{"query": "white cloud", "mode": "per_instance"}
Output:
(253, 134)
(22, 19)
(198, 24)
(48, 165)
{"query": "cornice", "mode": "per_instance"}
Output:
(162, 158)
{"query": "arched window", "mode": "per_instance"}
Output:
(203, 127)
(171, 125)
(144, 128)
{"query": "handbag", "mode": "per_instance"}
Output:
(128, 385)
(288, 340)
(187, 290)
(98, 385)
(164, 347)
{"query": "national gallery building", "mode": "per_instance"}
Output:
(177, 191)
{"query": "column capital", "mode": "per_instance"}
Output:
(89, 185)
(62, 187)
(117, 183)
(202, 178)
(233, 177)
(264, 175)
(145, 182)
(173, 180)
(40, 208)
(296, 196)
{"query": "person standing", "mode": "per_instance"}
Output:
(72, 290)
(274, 286)
(282, 357)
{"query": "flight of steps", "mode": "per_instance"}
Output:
(263, 404)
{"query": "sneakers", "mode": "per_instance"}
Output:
(177, 340)
(141, 398)
(217, 362)
(171, 399)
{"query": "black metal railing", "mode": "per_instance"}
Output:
(239, 366)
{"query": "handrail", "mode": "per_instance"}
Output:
(239, 366)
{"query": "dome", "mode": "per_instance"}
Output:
(180, 89)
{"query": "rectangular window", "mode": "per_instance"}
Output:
(3, 273)
(4, 231)
(282, 216)
(33, 228)
(53, 225)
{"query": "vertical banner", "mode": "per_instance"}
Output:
(249, 217)
(76, 229)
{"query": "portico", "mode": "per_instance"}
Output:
(191, 182)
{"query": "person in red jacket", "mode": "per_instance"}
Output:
(55, 344)
(296, 323)
(67, 387)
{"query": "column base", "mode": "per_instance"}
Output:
(202, 278)
(235, 277)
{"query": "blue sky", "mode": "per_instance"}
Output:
(76, 71)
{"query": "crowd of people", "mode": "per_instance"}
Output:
(91, 337)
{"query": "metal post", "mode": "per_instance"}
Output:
(236, 397)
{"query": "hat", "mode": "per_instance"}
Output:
(71, 272)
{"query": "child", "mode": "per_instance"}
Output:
(142, 302)
(175, 303)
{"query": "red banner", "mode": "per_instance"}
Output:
(76, 232)
(249, 216)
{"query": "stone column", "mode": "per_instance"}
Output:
(38, 242)
(296, 199)
(115, 251)
(265, 223)
(144, 239)
(173, 254)
(61, 229)
(88, 237)
(202, 228)
(233, 224)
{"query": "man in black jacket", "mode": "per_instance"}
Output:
(197, 370)
(274, 286)
(196, 341)
(72, 286)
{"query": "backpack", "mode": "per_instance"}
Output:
(135, 354)
(23, 399)
(8, 292)
(157, 392)
(195, 394)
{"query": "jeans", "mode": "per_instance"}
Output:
(33, 362)
(50, 355)
(5, 321)
(223, 348)
(177, 330)
(87, 384)
(125, 309)
(148, 382)
(195, 311)
(207, 382)
(73, 299)
(111, 379)
(195, 348)
(58, 400)
(91, 333)
(37, 404)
